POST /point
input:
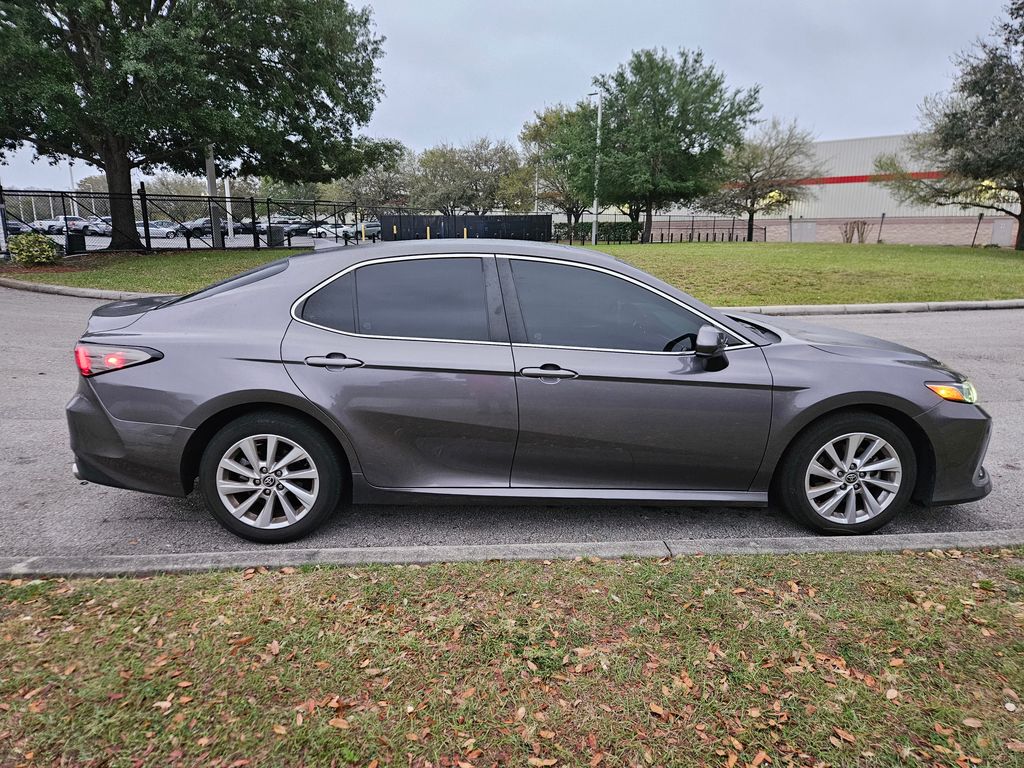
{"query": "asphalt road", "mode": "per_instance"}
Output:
(46, 511)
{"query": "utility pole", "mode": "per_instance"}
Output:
(597, 166)
(211, 192)
(227, 204)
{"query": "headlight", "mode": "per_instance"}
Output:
(963, 392)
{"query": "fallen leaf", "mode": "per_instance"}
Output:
(280, 730)
(759, 758)
(972, 722)
(896, 662)
(844, 735)
(339, 722)
(891, 694)
(288, 570)
(596, 759)
(1014, 745)
(657, 710)
(542, 761)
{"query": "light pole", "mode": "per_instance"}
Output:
(597, 166)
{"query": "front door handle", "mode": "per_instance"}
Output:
(334, 361)
(548, 371)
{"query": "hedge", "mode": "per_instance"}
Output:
(615, 231)
(33, 248)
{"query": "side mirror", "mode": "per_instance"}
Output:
(710, 344)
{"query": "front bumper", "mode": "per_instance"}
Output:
(959, 435)
(124, 454)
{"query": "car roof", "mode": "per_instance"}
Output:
(342, 255)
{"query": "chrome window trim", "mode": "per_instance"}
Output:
(709, 320)
(476, 255)
(371, 262)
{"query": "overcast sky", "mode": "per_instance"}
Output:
(458, 69)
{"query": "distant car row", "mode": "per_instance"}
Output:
(163, 228)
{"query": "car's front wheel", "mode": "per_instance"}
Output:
(848, 473)
(270, 478)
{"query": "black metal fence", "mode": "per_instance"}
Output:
(82, 221)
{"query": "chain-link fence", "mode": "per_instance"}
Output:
(85, 221)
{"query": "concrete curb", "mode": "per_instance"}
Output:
(777, 310)
(878, 309)
(277, 557)
(65, 290)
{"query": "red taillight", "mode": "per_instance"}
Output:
(82, 360)
(94, 359)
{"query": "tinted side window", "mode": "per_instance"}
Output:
(425, 298)
(333, 306)
(419, 298)
(575, 307)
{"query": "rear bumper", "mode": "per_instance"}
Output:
(124, 454)
(959, 435)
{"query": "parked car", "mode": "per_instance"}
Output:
(370, 228)
(157, 229)
(16, 227)
(57, 224)
(453, 369)
(327, 230)
(95, 225)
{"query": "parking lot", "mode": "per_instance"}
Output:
(48, 512)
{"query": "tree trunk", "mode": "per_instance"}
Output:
(648, 221)
(1018, 243)
(750, 226)
(122, 209)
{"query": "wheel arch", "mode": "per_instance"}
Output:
(924, 452)
(215, 416)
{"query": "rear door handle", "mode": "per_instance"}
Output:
(335, 360)
(548, 371)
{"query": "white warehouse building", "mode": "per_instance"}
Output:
(846, 193)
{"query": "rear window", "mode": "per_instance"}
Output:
(248, 277)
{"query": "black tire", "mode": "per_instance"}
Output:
(791, 475)
(170, 234)
(329, 465)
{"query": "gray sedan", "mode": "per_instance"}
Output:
(503, 370)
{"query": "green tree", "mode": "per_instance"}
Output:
(668, 123)
(278, 87)
(973, 136)
(473, 178)
(560, 145)
(767, 173)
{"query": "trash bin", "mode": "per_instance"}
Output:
(275, 236)
(76, 243)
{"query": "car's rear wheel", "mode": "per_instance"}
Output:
(848, 473)
(270, 477)
(170, 234)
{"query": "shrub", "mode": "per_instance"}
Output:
(615, 231)
(33, 248)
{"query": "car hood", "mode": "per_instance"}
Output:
(836, 341)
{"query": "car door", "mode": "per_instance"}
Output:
(603, 405)
(411, 356)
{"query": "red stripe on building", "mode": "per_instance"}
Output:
(865, 178)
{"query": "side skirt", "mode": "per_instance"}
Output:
(364, 493)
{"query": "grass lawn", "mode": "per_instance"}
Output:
(724, 274)
(756, 274)
(161, 272)
(838, 660)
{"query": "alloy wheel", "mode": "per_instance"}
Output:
(267, 481)
(853, 478)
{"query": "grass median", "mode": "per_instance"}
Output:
(723, 274)
(839, 660)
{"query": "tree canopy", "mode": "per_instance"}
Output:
(974, 135)
(766, 173)
(560, 147)
(477, 177)
(278, 87)
(668, 123)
